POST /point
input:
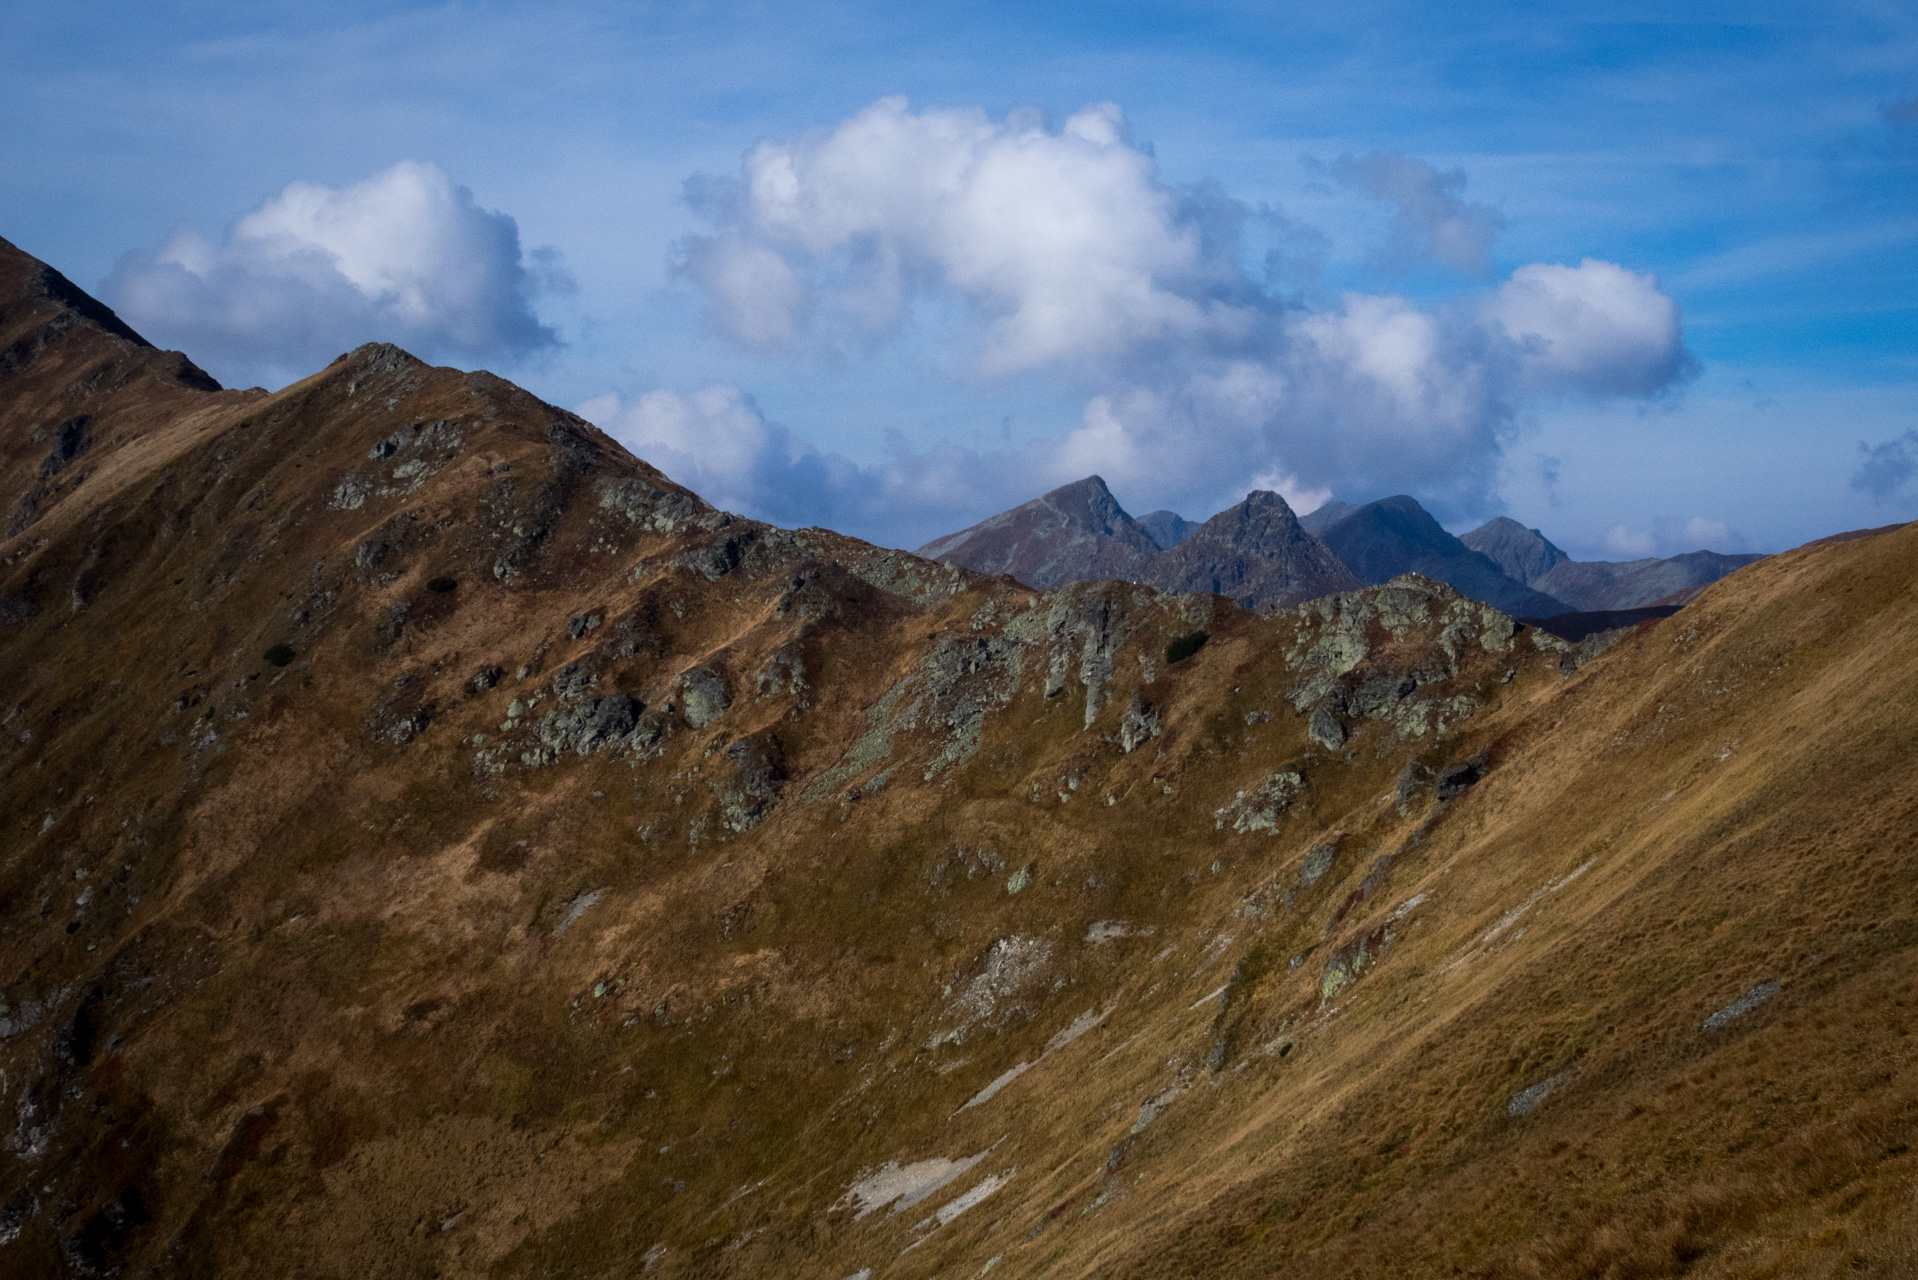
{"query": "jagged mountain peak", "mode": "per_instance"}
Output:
(1073, 533)
(1255, 553)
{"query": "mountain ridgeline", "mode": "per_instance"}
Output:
(1263, 557)
(436, 843)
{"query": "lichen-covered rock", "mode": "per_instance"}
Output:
(574, 681)
(1318, 861)
(784, 672)
(1350, 960)
(748, 797)
(702, 696)
(588, 726)
(1139, 725)
(1259, 808)
(1324, 728)
(651, 509)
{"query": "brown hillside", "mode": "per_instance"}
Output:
(606, 885)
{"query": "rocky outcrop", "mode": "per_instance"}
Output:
(1352, 662)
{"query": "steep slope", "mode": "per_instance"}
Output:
(1383, 539)
(1076, 533)
(1256, 555)
(76, 386)
(608, 885)
(1523, 555)
(1167, 528)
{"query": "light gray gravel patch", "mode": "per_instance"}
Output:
(1742, 1006)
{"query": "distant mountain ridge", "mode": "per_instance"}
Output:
(1264, 556)
(1527, 556)
(1384, 539)
(1075, 533)
(1255, 552)
(1168, 528)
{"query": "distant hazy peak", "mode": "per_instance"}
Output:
(1256, 553)
(1168, 528)
(1324, 517)
(1526, 555)
(1077, 532)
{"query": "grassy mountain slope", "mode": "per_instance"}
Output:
(607, 885)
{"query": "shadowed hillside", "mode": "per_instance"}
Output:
(437, 844)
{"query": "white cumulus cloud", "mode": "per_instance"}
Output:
(718, 442)
(405, 256)
(1076, 261)
(1064, 241)
(1595, 328)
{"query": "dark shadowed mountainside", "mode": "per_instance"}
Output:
(1076, 533)
(1383, 539)
(1256, 555)
(435, 843)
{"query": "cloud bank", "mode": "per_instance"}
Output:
(405, 256)
(1072, 258)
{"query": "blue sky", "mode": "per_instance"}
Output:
(1352, 248)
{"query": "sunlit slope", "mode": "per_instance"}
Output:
(607, 885)
(1652, 1013)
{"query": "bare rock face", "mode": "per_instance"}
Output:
(1076, 533)
(1256, 554)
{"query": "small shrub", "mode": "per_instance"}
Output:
(440, 586)
(279, 655)
(1185, 646)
